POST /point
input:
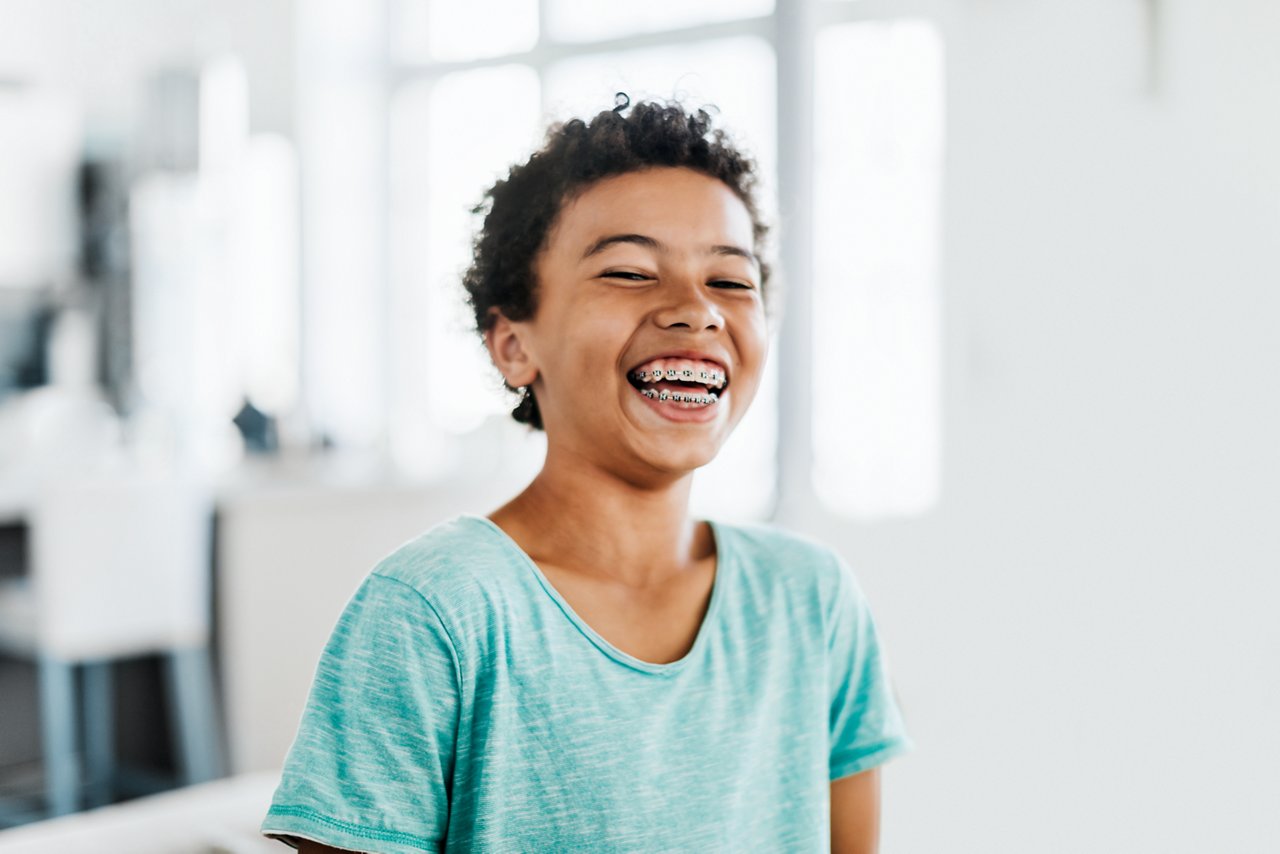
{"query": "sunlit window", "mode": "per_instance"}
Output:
(341, 121)
(734, 75)
(448, 30)
(876, 334)
(450, 141)
(584, 20)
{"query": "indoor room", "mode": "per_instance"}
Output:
(1005, 347)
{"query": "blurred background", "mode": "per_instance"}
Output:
(1024, 377)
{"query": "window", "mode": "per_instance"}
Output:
(450, 138)
(870, 312)
(586, 21)
(876, 328)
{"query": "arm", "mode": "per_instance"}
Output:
(370, 765)
(306, 846)
(855, 813)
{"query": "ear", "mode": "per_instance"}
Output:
(505, 340)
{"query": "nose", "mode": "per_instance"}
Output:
(687, 303)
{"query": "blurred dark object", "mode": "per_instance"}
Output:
(104, 265)
(104, 244)
(26, 319)
(257, 428)
(13, 550)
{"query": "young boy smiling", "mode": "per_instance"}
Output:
(588, 668)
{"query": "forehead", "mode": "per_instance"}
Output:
(678, 206)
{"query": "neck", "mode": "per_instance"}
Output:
(577, 516)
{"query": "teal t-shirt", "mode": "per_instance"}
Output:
(462, 705)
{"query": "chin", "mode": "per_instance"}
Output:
(686, 462)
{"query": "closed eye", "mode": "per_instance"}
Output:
(629, 275)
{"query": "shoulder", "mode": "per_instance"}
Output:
(458, 567)
(787, 555)
(442, 556)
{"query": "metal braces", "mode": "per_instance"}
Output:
(688, 375)
(678, 397)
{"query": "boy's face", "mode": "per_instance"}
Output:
(683, 288)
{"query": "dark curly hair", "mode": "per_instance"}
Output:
(520, 209)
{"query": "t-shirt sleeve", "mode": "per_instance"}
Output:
(371, 765)
(866, 724)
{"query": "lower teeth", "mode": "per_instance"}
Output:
(679, 397)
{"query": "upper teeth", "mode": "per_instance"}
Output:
(711, 377)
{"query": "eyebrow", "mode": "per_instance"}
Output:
(653, 243)
(639, 239)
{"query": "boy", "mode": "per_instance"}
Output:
(587, 668)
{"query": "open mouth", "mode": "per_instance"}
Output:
(683, 383)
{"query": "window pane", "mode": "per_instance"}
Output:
(409, 33)
(447, 30)
(737, 75)
(877, 347)
(445, 152)
(583, 20)
(342, 138)
(267, 260)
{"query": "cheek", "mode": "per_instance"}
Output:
(607, 326)
(763, 333)
(587, 354)
(753, 339)
(753, 351)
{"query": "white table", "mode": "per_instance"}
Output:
(221, 817)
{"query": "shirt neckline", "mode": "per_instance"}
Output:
(723, 563)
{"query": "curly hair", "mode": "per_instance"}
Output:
(520, 209)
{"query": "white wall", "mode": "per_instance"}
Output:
(1084, 630)
(103, 51)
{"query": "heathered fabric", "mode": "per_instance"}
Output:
(462, 705)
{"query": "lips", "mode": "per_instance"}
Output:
(683, 386)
